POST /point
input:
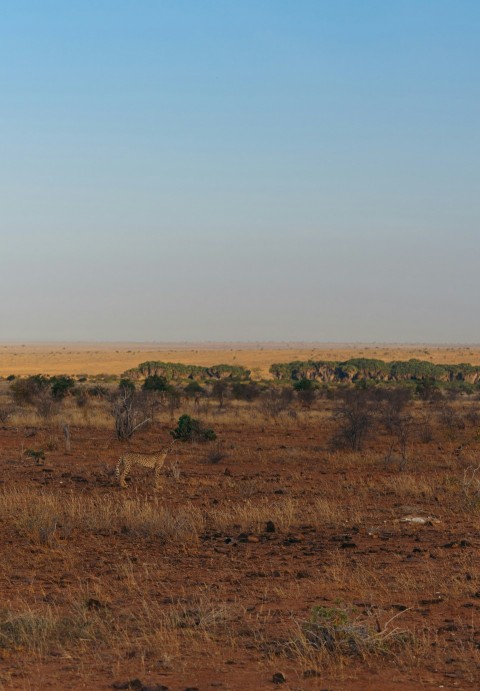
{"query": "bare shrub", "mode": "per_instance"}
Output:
(220, 392)
(275, 401)
(25, 391)
(471, 486)
(126, 413)
(5, 413)
(354, 417)
(218, 454)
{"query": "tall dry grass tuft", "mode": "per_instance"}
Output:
(250, 515)
(45, 517)
(331, 636)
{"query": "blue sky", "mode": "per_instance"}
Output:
(240, 170)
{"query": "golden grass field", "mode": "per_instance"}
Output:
(115, 358)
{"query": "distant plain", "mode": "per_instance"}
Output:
(115, 358)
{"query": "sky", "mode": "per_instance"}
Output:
(240, 170)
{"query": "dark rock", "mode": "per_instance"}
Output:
(270, 527)
(279, 678)
(292, 540)
(433, 601)
(132, 684)
(94, 604)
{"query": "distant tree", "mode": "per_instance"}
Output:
(248, 391)
(156, 382)
(126, 386)
(194, 389)
(219, 391)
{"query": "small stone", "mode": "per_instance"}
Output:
(94, 604)
(279, 678)
(270, 527)
(132, 684)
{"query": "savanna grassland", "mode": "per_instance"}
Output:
(327, 538)
(115, 358)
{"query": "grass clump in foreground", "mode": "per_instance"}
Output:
(46, 517)
(340, 631)
(38, 631)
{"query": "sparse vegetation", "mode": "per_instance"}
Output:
(224, 559)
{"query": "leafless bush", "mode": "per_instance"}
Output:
(45, 405)
(391, 405)
(220, 392)
(354, 417)
(275, 401)
(398, 422)
(218, 454)
(127, 413)
(5, 413)
(473, 416)
(424, 429)
(471, 485)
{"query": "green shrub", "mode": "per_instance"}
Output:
(26, 390)
(190, 429)
(156, 382)
(60, 386)
(245, 391)
(193, 388)
(304, 385)
(126, 386)
(38, 455)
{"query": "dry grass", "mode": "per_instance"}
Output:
(252, 515)
(47, 517)
(77, 358)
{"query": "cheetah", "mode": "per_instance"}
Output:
(147, 460)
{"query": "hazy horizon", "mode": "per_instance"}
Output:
(240, 172)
